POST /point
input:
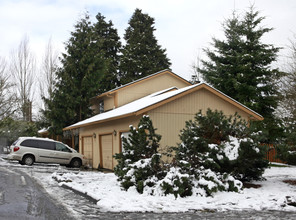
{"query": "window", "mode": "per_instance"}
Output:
(61, 147)
(29, 143)
(125, 135)
(46, 145)
(101, 106)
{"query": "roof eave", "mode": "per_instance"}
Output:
(253, 115)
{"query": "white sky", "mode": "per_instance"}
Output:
(184, 27)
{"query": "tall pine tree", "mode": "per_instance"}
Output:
(106, 39)
(240, 66)
(141, 55)
(83, 67)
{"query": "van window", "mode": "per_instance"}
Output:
(47, 145)
(30, 143)
(61, 147)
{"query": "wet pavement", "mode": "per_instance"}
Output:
(22, 197)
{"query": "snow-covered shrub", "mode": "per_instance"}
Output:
(176, 183)
(139, 163)
(216, 152)
(250, 163)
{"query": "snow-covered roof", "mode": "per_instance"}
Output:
(43, 130)
(134, 107)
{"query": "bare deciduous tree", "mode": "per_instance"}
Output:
(23, 72)
(288, 88)
(48, 69)
(8, 99)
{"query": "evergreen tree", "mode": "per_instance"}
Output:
(240, 66)
(141, 55)
(139, 163)
(83, 68)
(215, 153)
(110, 44)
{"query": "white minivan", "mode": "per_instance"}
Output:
(28, 150)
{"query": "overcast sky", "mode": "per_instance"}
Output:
(184, 27)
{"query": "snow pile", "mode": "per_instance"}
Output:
(273, 194)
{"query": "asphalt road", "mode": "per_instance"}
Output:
(22, 198)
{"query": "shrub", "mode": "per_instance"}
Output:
(216, 152)
(139, 163)
(287, 153)
(286, 150)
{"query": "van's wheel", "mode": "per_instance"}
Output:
(76, 163)
(28, 160)
(21, 162)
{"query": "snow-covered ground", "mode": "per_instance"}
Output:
(273, 194)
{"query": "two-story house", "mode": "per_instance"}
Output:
(167, 98)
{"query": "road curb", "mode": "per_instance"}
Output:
(91, 199)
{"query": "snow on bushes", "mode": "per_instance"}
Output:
(139, 163)
(216, 153)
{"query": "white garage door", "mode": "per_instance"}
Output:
(107, 150)
(87, 149)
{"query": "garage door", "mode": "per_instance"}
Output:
(87, 149)
(106, 151)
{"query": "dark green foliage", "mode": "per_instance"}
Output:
(286, 149)
(89, 67)
(141, 56)
(240, 66)
(250, 164)
(12, 129)
(216, 152)
(287, 153)
(139, 163)
(204, 138)
(178, 184)
(110, 45)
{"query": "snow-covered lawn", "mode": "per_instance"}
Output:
(273, 194)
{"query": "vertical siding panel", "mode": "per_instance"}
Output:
(148, 87)
(170, 118)
(96, 152)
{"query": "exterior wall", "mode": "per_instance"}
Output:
(170, 118)
(155, 84)
(109, 103)
(120, 125)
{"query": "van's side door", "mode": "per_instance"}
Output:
(62, 154)
(45, 149)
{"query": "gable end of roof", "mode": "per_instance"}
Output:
(141, 80)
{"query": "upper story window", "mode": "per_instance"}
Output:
(101, 106)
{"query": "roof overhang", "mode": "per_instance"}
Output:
(253, 115)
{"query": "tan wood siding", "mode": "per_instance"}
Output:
(170, 118)
(87, 149)
(96, 152)
(108, 103)
(108, 128)
(106, 146)
(147, 87)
